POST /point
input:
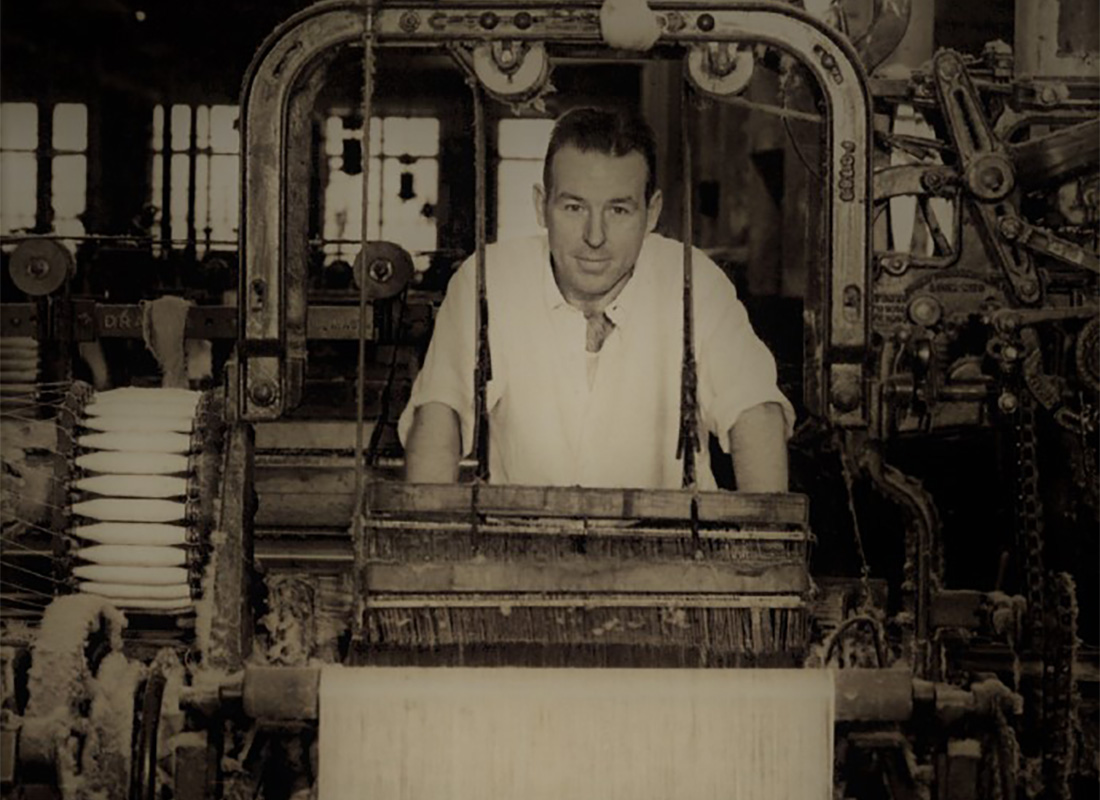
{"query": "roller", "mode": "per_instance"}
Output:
(133, 555)
(135, 533)
(137, 442)
(139, 576)
(116, 509)
(123, 462)
(133, 592)
(145, 486)
(123, 423)
(135, 408)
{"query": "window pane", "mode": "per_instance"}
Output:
(158, 128)
(224, 199)
(70, 127)
(18, 126)
(18, 173)
(224, 137)
(524, 138)
(181, 127)
(334, 136)
(179, 197)
(157, 182)
(70, 184)
(202, 127)
(515, 208)
(202, 197)
(410, 221)
(414, 136)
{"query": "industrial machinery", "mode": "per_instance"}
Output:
(166, 636)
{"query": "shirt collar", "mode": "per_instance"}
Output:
(619, 310)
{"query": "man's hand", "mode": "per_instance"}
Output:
(433, 444)
(758, 445)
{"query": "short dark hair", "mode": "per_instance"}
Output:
(609, 131)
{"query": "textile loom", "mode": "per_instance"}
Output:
(213, 587)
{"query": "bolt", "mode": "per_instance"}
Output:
(489, 20)
(37, 269)
(1008, 402)
(705, 23)
(410, 21)
(932, 181)
(438, 21)
(948, 68)
(1010, 353)
(1011, 228)
(1029, 288)
(1048, 95)
(523, 20)
(992, 178)
(263, 393)
(381, 270)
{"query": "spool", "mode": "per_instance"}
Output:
(40, 266)
(386, 267)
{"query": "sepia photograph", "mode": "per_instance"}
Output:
(550, 400)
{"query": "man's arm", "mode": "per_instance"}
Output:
(758, 445)
(433, 445)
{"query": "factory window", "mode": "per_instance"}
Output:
(196, 175)
(403, 184)
(521, 144)
(54, 140)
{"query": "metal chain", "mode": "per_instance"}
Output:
(1059, 687)
(1029, 519)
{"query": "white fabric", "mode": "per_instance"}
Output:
(575, 734)
(547, 427)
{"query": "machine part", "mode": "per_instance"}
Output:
(923, 568)
(40, 266)
(1044, 243)
(81, 707)
(512, 70)
(278, 94)
(1087, 354)
(386, 267)
(1059, 688)
(720, 68)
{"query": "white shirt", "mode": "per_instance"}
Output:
(548, 425)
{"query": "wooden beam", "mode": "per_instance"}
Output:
(554, 501)
(589, 575)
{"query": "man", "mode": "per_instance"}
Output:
(585, 332)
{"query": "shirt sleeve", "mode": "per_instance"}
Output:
(447, 374)
(736, 369)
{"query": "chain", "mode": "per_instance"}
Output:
(1029, 517)
(1059, 687)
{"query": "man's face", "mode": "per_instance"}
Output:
(596, 218)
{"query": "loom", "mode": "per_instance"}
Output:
(213, 598)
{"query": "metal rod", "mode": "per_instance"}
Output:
(361, 357)
(483, 369)
(688, 444)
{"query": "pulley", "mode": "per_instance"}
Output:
(512, 71)
(40, 266)
(720, 68)
(388, 268)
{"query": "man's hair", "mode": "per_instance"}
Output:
(608, 131)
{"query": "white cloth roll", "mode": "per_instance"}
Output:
(148, 486)
(137, 442)
(139, 576)
(133, 555)
(114, 461)
(545, 734)
(123, 423)
(128, 509)
(151, 393)
(128, 591)
(140, 533)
